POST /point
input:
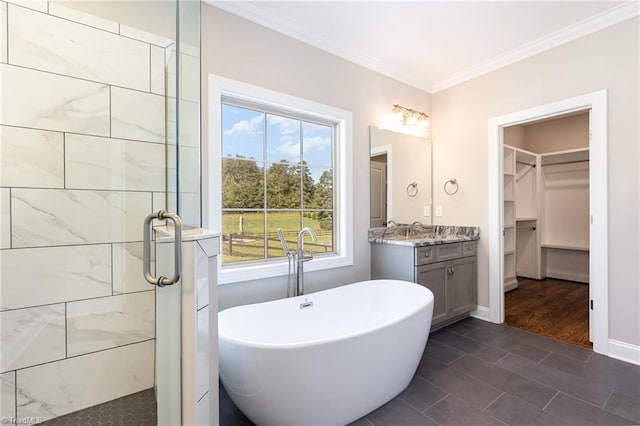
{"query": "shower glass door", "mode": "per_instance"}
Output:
(99, 126)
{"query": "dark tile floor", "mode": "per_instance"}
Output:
(138, 409)
(479, 373)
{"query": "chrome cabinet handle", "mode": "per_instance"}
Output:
(146, 258)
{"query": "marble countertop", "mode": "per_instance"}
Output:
(423, 235)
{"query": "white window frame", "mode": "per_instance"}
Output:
(220, 87)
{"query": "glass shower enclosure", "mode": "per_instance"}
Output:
(99, 126)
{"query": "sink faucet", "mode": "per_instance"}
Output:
(411, 232)
(390, 224)
(302, 257)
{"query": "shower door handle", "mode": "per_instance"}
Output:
(162, 281)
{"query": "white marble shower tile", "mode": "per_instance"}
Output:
(157, 70)
(39, 5)
(56, 45)
(109, 322)
(127, 268)
(136, 115)
(203, 353)
(189, 123)
(31, 158)
(40, 276)
(32, 336)
(191, 209)
(3, 32)
(113, 164)
(189, 168)
(61, 217)
(82, 18)
(5, 218)
(172, 65)
(61, 387)
(145, 36)
(159, 201)
(46, 101)
(8, 395)
(190, 78)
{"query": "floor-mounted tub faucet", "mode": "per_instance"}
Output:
(303, 257)
(297, 259)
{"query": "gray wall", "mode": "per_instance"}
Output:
(607, 59)
(241, 50)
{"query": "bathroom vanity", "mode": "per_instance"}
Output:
(441, 258)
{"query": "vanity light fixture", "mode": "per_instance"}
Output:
(409, 117)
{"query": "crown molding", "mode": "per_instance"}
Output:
(260, 13)
(585, 27)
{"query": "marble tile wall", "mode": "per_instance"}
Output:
(82, 162)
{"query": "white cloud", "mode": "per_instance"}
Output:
(286, 126)
(289, 149)
(316, 143)
(246, 127)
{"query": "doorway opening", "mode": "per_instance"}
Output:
(546, 227)
(593, 104)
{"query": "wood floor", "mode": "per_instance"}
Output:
(553, 308)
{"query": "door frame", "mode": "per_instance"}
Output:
(598, 200)
(386, 149)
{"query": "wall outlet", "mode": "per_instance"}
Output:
(438, 211)
(426, 211)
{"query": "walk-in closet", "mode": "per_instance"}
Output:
(546, 227)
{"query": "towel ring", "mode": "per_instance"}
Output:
(451, 186)
(412, 189)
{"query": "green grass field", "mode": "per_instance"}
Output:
(247, 243)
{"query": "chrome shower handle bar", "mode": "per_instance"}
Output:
(146, 261)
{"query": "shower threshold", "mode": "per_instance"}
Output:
(137, 409)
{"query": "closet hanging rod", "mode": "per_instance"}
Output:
(528, 228)
(566, 162)
(525, 163)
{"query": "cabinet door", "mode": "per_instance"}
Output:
(461, 285)
(433, 278)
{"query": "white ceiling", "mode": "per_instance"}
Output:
(433, 45)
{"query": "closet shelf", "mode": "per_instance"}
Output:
(526, 219)
(564, 247)
(509, 252)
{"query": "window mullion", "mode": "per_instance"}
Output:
(264, 185)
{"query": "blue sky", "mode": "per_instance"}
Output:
(243, 131)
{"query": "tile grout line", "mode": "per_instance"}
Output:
(494, 401)
(438, 401)
(607, 400)
(551, 400)
(76, 300)
(546, 356)
(10, 220)
(42, 129)
(66, 332)
(15, 392)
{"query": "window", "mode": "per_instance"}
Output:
(276, 161)
(277, 172)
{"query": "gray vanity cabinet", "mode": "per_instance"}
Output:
(448, 270)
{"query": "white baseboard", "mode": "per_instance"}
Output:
(568, 276)
(481, 312)
(624, 351)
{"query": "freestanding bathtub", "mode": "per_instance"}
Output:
(326, 358)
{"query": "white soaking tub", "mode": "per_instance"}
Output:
(326, 358)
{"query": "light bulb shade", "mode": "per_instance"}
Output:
(409, 117)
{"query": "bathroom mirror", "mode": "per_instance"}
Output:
(400, 177)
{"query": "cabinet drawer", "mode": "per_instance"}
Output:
(448, 251)
(425, 255)
(468, 248)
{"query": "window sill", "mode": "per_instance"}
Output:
(281, 269)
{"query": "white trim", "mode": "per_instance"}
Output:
(624, 351)
(212, 175)
(262, 14)
(585, 27)
(387, 149)
(598, 199)
(481, 312)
